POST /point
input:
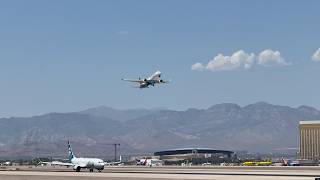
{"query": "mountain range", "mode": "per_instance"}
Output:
(258, 127)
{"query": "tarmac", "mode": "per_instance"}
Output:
(162, 173)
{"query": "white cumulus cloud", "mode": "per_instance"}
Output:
(197, 67)
(316, 55)
(242, 60)
(238, 60)
(269, 57)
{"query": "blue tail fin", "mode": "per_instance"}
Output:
(71, 155)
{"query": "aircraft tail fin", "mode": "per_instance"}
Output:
(71, 155)
(145, 162)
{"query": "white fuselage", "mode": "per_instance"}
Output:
(152, 80)
(149, 162)
(89, 163)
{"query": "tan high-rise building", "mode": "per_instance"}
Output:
(309, 139)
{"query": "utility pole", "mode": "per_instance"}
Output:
(115, 150)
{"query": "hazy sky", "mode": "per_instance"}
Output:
(61, 56)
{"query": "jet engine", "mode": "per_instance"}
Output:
(77, 168)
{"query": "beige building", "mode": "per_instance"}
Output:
(309, 139)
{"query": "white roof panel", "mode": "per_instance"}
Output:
(310, 122)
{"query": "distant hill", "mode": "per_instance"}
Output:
(119, 115)
(259, 127)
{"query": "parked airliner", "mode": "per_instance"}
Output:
(82, 163)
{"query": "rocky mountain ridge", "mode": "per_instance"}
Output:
(258, 127)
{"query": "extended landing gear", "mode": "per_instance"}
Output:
(99, 170)
(91, 170)
(78, 169)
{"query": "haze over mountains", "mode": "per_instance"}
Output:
(259, 127)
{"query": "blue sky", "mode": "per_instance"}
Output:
(61, 56)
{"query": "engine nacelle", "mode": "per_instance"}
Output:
(161, 81)
(145, 80)
(77, 168)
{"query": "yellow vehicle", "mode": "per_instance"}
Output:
(249, 163)
(261, 163)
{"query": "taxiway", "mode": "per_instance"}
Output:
(162, 173)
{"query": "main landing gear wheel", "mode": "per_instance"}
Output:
(91, 170)
(78, 169)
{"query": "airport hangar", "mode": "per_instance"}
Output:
(196, 155)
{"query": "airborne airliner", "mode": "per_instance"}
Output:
(152, 80)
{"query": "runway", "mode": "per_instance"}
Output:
(162, 173)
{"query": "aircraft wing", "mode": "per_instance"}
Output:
(61, 163)
(58, 163)
(133, 80)
(166, 81)
(113, 163)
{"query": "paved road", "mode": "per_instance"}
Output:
(161, 173)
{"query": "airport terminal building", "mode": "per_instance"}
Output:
(195, 155)
(310, 140)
